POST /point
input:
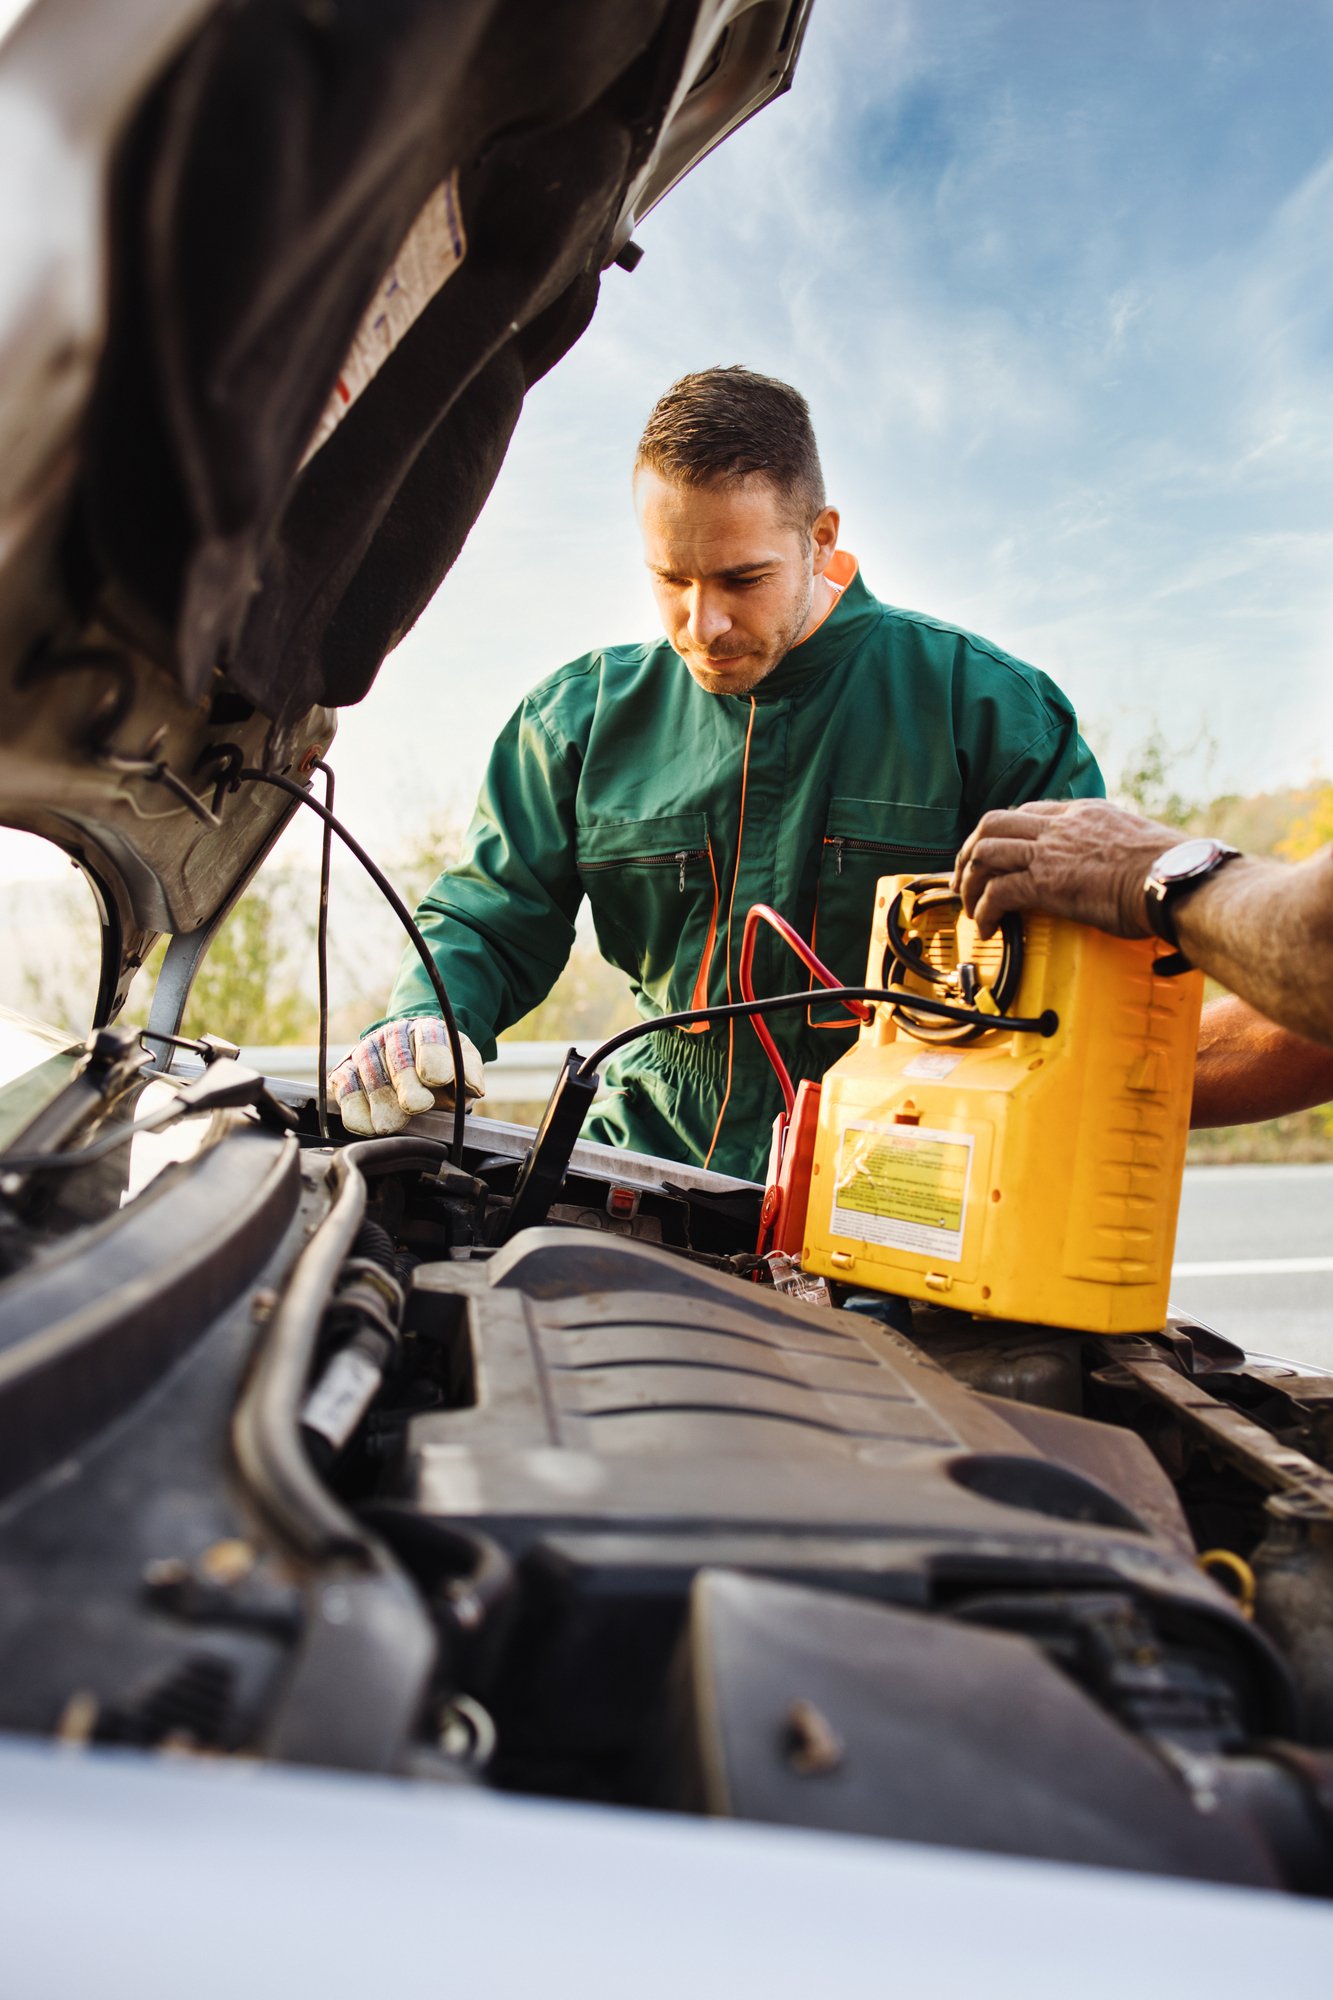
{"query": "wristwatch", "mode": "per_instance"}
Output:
(1175, 875)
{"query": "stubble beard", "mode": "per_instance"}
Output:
(749, 671)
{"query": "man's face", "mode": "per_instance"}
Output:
(733, 576)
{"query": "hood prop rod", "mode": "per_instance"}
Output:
(405, 918)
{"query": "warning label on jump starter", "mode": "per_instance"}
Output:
(903, 1188)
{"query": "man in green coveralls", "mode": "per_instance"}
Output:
(789, 741)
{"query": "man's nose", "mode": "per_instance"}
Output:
(708, 616)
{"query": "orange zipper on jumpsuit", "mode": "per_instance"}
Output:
(841, 569)
(699, 996)
(735, 878)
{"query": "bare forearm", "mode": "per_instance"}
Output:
(1249, 1068)
(1264, 929)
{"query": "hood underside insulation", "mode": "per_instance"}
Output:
(287, 162)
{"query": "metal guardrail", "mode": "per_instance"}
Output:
(524, 1072)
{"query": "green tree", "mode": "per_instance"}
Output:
(256, 984)
(1312, 827)
(1145, 782)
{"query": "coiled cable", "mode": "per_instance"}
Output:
(905, 957)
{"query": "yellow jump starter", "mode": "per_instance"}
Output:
(1008, 1174)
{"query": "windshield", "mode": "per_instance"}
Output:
(36, 1065)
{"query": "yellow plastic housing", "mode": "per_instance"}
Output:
(1016, 1177)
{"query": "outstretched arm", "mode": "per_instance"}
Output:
(499, 925)
(500, 922)
(1263, 928)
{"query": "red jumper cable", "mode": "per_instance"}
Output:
(778, 1196)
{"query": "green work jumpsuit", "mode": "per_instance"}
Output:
(871, 749)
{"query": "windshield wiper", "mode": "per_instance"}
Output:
(114, 1059)
(223, 1086)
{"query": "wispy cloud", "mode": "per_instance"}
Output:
(1059, 285)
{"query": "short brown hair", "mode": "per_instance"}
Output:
(729, 424)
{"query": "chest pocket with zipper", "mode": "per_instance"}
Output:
(864, 839)
(653, 892)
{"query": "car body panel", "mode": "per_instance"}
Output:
(221, 1881)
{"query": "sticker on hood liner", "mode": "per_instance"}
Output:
(903, 1187)
(427, 258)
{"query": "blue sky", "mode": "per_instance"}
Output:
(1058, 283)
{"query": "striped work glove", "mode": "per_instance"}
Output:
(396, 1071)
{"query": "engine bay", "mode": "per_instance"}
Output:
(599, 1513)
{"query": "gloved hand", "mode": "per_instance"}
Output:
(398, 1070)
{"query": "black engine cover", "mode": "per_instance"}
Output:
(636, 1418)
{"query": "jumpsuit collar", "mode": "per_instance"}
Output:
(833, 640)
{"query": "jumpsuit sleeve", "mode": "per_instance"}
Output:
(1025, 745)
(500, 923)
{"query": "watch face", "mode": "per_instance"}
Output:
(1186, 859)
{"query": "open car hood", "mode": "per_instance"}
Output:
(275, 278)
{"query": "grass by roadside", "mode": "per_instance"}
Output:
(1302, 1138)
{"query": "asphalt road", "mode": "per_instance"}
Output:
(1254, 1258)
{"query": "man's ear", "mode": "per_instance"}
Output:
(824, 537)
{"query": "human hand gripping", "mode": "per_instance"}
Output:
(398, 1070)
(1079, 858)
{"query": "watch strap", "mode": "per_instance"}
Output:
(1171, 964)
(1158, 912)
(1161, 897)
